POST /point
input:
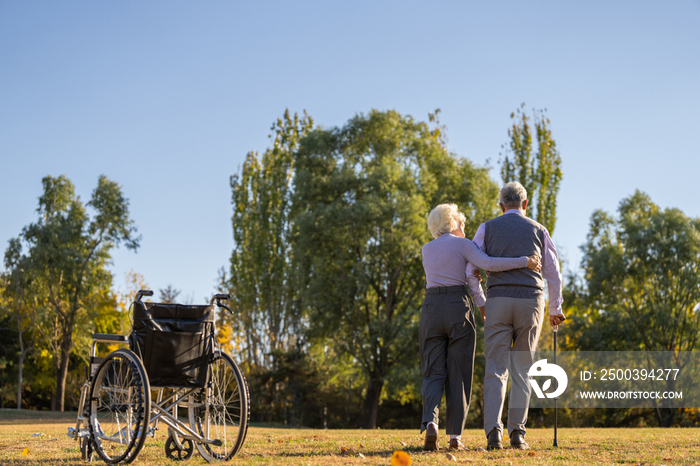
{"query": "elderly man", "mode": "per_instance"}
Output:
(514, 311)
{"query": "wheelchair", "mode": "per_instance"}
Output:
(173, 365)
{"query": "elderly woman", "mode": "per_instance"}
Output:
(447, 325)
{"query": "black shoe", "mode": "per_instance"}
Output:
(431, 439)
(494, 440)
(517, 440)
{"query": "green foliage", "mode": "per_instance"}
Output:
(13, 283)
(641, 288)
(266, 326)
(642, 271)
(168, 295)
(539, 173)
(362, 194)
(66, 289)
(261, 281)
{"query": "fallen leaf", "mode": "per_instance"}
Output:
(37, 434)
(361, 446)
(403, 444)
(360, 455)
(344, 451)
(400, 458)
(25, 452)
(450, 457)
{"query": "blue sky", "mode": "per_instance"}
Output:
(166, 98)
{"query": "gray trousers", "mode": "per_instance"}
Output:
(447, 345)
(512, 324)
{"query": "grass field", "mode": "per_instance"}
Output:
(325, 447)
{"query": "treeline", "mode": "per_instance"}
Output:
(326, 273)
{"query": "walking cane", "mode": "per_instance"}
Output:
(556, 443)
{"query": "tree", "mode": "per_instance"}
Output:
(642, 281)
(362, 194)
(15, 289)
(261, 281)
(118, 320)
(168, 295)
(67, 254)
(540, 173)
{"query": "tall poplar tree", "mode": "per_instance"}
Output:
(261, 279)
(539, 172)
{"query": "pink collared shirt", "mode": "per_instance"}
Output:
(550, 270)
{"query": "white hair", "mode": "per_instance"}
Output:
(444, 218)
(513, 195)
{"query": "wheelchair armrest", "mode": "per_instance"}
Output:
(106, 338)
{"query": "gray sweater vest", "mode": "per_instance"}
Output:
(514, 235)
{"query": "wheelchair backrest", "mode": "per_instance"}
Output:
(174, 341)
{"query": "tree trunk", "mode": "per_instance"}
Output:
(374, 390)
(19, 296)
(19, 384)
(665, 416)
(58, 400)
(22, 354)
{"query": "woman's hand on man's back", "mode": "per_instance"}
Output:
(534, 263)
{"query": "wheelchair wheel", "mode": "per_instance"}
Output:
(228, 414)
(119, 407)
(86, 449)
(173, 452)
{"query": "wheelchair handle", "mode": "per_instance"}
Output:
(143, 293)
(218, 298)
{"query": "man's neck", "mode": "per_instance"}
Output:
(515, 210)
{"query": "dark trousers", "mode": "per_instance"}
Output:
(447, 345)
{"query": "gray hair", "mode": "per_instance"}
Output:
(513, 194)
(444, 219)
